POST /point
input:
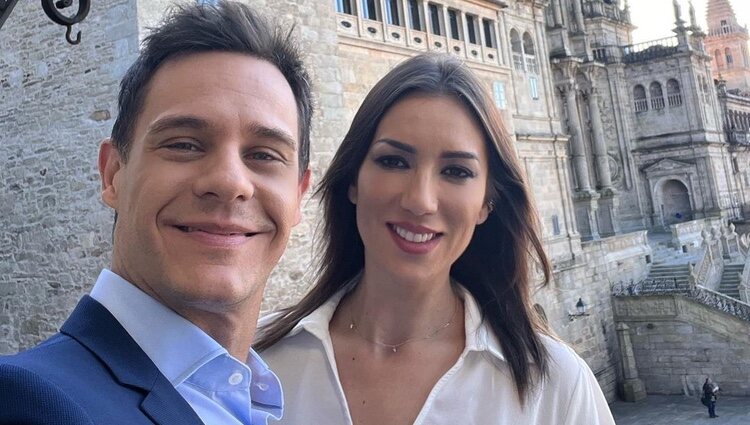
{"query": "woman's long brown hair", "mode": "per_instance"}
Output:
(496, 266)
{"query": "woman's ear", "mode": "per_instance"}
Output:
(353, 193)
(485, 212)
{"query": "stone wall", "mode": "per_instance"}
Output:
(678, 343)
(589, 276)
(58, 101)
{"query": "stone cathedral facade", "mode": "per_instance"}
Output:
(617, 139)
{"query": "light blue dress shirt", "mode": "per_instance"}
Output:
(221, 389)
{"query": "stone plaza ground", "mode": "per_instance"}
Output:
(681, 410)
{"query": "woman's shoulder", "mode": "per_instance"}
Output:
(564, 363)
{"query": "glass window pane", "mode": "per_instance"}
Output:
(455, 33)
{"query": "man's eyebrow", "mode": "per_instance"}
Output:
(177, 121)
(196, 123)
(445, 155)
(259, 130)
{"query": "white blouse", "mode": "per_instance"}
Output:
(478, 389)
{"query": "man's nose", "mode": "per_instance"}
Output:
(420, 194)
(226, 177)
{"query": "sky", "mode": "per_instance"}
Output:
(655, 18)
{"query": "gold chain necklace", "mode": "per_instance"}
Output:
(395, 347)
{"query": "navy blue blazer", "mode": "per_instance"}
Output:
(92, 372)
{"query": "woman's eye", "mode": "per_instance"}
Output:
(392, 162)
(458, 173)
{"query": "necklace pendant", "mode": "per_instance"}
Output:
(351, 325)
(394, 349)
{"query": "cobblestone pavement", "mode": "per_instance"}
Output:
(681, 410)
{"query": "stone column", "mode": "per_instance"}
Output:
(578, 13)
(600, 149)
(557, 13)
(631, 387)
(577, 149)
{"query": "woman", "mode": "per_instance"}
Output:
(422, 312)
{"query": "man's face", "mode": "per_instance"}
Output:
(211, 187)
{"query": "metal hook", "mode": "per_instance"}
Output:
(70, 40)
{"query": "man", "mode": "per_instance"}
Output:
(205, 169)
(709, 397)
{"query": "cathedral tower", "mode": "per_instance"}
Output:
(727, 43)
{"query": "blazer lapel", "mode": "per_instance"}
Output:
(165, 406)
(94, 327)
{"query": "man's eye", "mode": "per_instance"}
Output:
(263, 156)
(458, 173)
(183, 146)
(392, 162)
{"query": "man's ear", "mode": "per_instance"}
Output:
(110, 163)
(304, 185)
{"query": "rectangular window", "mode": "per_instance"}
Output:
(344, 6)
(534, 87)
(455, 31)
(555, 225)
(471, 28)
(498, 93)
(489, 33)
(370, 9)
(435, 19)
(392, 12)
(414, 17)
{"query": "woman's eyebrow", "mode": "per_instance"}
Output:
(460, 155)
(398, 145)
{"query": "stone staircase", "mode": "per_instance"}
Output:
(674, 275)
(730, 280)
(669, 266)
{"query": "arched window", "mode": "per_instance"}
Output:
(657, 95)
(718, 59)
(728, 54)
(674, 97)
(530, 54)
(639, 95)
(517, 49)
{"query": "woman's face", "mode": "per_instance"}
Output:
(421, 189)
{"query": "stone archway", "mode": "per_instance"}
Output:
(675, 202)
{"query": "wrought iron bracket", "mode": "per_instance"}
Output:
(52, 10)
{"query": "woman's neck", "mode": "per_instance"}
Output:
(390, 310)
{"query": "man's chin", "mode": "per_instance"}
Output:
(215, 292)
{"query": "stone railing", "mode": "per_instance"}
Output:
(745, 282)
(687, 235)
(710, 265)
(730, 243)
(703, 295)
(650, 50)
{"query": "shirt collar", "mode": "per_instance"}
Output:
(479, 336)
(177, 347)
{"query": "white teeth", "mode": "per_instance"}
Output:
(413, 237)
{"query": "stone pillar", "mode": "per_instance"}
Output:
(578, 14)
(600, 149)
(631, 388)
(557, 13)
(577, 149)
